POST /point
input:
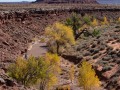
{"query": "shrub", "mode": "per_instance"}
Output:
(94, 22)
(42, 40)
(96, 33)
(87, 20)
(87, 77)
(59, 35)
(105, 21)
(106, 68)
(43, 70)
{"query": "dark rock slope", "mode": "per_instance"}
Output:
(69, 1)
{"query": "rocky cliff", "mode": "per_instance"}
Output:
(69, 1)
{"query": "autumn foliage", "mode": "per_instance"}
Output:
(43, 70)
(87, 77)
(59, 35)
(94, 22)
(105, 21)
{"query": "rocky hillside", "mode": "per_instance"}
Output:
(69, 1)
(103, 52)
(20, 24)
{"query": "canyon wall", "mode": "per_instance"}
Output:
(18, 28)
(68, 1)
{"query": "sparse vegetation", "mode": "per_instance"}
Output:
(87, 19)
(96, 33)
(97, 41)
(42, 40)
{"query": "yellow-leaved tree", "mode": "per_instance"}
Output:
(87, 77)
(43, 70)
(94, 22)
(52, 71)
(105, 21)
(118, 21)
(59, 35)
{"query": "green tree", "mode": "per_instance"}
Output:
(79, 25)
(87, 77)
(59, 35)
(75, 23)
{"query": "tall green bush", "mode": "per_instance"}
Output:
(74, 22)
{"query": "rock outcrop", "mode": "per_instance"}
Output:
(69, 1)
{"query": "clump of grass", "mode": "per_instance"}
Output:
(65, 87)
(42, 40)
(96, 33)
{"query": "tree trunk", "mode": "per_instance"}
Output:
(57, 47)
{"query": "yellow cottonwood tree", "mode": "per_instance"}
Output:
(52, 63)
(59, 35)
(43, 70)
(87, 77)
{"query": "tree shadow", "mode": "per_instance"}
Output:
(73, 59)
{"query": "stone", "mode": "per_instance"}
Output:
(2, 81)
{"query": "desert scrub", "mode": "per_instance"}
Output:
(87, 19)
(87, 77)
(59, 35)
(43, 70)
(101, 62)
(42, 40)
(96, 33)
(106, 68)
